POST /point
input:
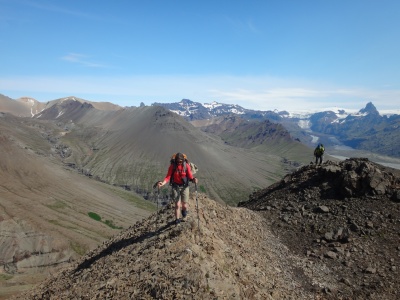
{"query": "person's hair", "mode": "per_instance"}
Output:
(179, 156)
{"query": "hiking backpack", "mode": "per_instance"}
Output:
(193, 166)
(320, 150)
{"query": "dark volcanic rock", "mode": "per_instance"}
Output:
(345, 215)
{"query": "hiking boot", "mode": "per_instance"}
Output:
(184, 215)
(177, 221)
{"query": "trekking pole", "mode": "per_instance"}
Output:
(197, 207)
(158, 200)
(158, 196)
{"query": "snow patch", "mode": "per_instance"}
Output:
(314, 139)
(304, 124)
(212, 105)
(60, 114)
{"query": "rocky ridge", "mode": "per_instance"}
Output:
(223, 253)
(345, 216)
(322, 232)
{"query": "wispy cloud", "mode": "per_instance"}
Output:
(241, 25)
(60, 9)
(81, 59)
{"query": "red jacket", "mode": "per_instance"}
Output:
(179, 174)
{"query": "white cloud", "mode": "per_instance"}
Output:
(263, 93)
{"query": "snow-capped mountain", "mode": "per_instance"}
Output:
(364, 129)
(191, 110)
(196, 111)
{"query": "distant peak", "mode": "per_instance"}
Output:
(369, 109)
(185, 101)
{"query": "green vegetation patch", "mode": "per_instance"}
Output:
(202, 189)
(109, 223)
(94, 216)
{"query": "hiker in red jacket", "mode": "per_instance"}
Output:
(179, 174)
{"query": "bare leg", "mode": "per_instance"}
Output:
(185, 206)
(177, 209)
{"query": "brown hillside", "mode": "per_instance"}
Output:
(23, 108)
(104, 106)
(29, 107)
(44, 208)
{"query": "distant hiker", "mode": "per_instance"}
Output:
(319, 153)
(179, 174)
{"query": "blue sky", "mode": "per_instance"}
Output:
(280, 54)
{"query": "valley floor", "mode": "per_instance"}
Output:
(347, 152)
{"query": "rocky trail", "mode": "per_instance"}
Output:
(232, 255)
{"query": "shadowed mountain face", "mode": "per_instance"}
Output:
(328, 232)
(241, 133)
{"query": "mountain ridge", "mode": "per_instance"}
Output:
(332, 128)
(312, 244)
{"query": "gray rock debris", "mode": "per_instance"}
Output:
(349, 221)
